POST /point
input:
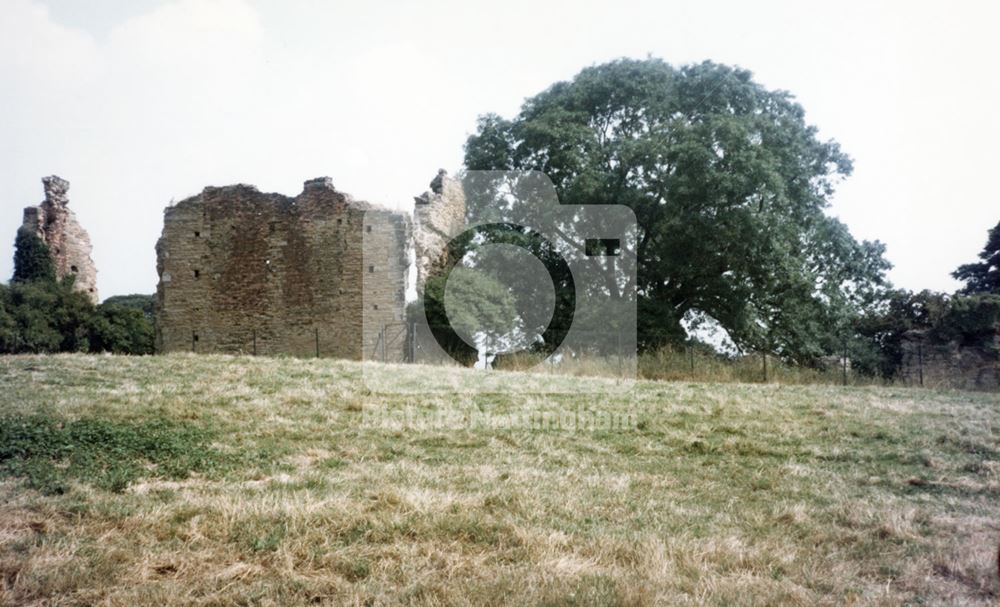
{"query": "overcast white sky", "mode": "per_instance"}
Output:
(138, 102)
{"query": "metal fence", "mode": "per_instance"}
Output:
(949, 366)
(952, 365)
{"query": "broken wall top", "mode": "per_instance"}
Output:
(69, 244)
(319, 189)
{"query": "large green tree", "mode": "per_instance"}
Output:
(728, 184)
(983, 276)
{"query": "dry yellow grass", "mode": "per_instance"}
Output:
(732, 494)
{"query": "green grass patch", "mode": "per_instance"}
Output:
(50, 451)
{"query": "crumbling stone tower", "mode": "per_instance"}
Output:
(438, 216)
(243, 271)
(69, 244)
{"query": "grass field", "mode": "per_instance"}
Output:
(213, 480)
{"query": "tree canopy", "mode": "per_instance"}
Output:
(729, 187)
(983, 276)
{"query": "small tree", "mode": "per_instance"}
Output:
(32, 259)
(984, 276)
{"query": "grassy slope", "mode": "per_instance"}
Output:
(724, 494)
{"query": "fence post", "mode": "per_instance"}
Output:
(764, 357)
(194, 341)
(384, 356)
(920, 362)
(254, 342)
(691, 360)
(618, 341)
(413, 341)
(844, 361)
(317, 342)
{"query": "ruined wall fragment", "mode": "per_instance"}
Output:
(438, 216)
(69, 244)
(949, 364)
(243, 271)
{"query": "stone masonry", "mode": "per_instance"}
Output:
(438, 216)
(950, 364)
(69, 244)
(243, 271)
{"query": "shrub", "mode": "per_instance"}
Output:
(121, 330)
(143, 303)
(44, 316)
(32, 259)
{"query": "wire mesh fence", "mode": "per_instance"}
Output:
(943, 366)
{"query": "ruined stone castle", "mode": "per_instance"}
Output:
(438, 216)
(69, 245)
(320, 274)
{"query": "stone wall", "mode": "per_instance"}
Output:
(950, 364)
(438, 216)
(243, 271)
(69, 244)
